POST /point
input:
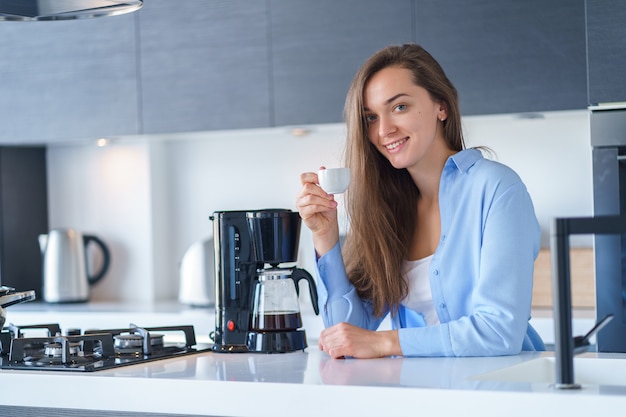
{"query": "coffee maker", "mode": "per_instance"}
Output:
(256, 306)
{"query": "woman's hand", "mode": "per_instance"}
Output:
(318, 210)
(345, 339)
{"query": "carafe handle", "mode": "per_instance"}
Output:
(106, 258)
(297, 275)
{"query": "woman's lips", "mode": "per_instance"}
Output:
(395, 145)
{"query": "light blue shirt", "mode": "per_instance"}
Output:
(481, 274)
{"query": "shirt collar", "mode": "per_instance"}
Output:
(464, 159)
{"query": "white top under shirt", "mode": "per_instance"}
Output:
(420, 297)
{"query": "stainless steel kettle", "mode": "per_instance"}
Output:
(65, 275)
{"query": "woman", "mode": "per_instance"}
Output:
(441, 238)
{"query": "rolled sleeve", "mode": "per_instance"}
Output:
(338, 297)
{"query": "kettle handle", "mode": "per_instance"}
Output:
(297, 275)
(106, 258)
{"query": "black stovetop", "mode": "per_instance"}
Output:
(91, 350)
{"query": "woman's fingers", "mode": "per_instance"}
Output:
(312, 199)
(345, 339)
(308, 177)
(318, 211)
(336, 340)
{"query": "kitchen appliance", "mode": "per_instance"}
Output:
(26, 348)
(257, 287)
(9, 297)
(32, 10)
(65, 275)
(608, 140)
(197, 275)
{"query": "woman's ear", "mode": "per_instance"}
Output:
(443, 111)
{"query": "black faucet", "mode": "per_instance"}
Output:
(566, 346)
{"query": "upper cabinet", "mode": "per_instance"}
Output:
(177, 66)
(317, 47)
(606, 49)
(508, 56)
(68, 79)
(204, 65)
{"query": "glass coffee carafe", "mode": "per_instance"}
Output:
(276, 307)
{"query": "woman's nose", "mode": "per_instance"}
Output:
(386, 126)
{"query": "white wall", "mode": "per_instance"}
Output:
(552, 155)
(105, 191)
(150, 197)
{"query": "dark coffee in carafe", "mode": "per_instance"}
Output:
(277, 321)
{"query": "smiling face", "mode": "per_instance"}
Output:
(403, 121)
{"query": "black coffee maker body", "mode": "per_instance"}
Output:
(251, 250)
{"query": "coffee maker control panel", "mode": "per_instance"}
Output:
(234, 238)
(235, 269)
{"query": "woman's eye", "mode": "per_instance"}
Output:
(370, 118)
(400, 107)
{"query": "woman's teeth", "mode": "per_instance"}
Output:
(394, 145)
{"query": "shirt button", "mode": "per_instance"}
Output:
(436, 272)
(443, 237)
(442, 305)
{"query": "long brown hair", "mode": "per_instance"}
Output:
(382, 200)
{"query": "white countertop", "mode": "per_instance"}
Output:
(305, 383)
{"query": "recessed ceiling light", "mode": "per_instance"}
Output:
(102, 142)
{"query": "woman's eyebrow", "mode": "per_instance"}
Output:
(395, 97)
(390, 100)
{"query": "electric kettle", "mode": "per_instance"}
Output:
(197, 275)
(65, 275)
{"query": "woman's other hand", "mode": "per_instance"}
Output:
(318, 210)
(345, 339)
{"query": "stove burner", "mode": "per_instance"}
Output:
(128, 341)
(56, 349)
(94, 350)
(133, 343)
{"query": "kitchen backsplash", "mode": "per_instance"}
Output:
(150, 197)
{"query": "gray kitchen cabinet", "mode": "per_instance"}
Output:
(23, 215)
(204, 65)
(185, 65)
(606, 50)
(317, 46)
(508, 56)
(68, 79)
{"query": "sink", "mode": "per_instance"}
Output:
(590, 371)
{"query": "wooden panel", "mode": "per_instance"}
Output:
(582, 276)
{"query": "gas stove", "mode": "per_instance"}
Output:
(91, 350)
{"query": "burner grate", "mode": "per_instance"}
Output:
(94, 350)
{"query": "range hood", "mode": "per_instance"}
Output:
(33, 10)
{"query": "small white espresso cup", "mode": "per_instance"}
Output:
(334, 180)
